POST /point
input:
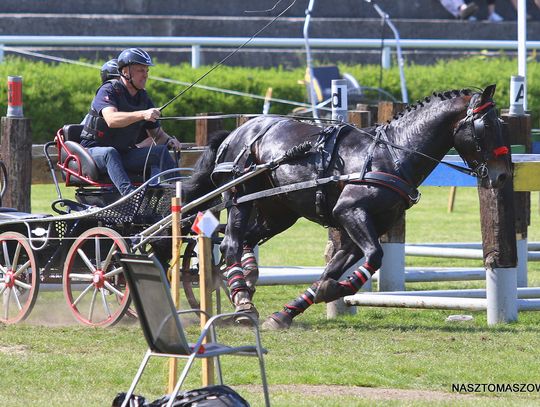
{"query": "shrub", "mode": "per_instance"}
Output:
(56, 94)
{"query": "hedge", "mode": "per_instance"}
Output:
(56, 94)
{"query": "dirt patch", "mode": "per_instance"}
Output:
(371, 393)
(13, 349)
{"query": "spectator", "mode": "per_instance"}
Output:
(459, 9)
(120, 109)
(536, 2)
(492, 15)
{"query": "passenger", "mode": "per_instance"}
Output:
(120, 110)
(460, 9)
(108, 71)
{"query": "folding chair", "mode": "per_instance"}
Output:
(162, 328)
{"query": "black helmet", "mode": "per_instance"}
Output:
(133, 56)
(109, 70)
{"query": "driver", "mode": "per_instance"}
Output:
(120, 110)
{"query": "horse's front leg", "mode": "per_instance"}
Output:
(231, 250)
(346, 255)
(364, 216)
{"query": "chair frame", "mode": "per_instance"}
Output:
(197, 350)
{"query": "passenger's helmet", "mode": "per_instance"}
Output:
(133, 56)
(109, 70)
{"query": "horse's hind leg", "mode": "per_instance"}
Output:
(264, 225)
(231, 249)
(346, 255)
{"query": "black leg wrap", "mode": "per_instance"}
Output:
(330, 290)
(302, 302)
(356, 280)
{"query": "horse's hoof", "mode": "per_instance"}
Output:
(245, 310)
(277, 321)
(328, 291)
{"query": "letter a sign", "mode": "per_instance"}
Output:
(517, 95)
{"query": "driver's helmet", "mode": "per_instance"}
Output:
(133, 56)
(109, 70)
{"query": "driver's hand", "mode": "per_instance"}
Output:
(174, 143)
(151, 115)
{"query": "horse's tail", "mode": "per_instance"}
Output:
(200, 182)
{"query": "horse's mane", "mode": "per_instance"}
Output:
(436, 97)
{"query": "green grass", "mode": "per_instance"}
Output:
(61, 363)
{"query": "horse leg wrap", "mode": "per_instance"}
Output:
(302, 302)
(250, 268)
(357, 279)
(330, 290)
(283, 319)
(236, 281)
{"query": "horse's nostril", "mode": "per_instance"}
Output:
(501, 179)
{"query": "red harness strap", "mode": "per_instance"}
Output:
(482, 107)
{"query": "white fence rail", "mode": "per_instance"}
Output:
(197, 43)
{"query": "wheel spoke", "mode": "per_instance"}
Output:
(6, 253)
(24, 267)
(86, 260)
(113, 289)
(98, 251)
(22, 284)
(16, 256)
(81, 295)
(92, 303)
(81, 277)
(109, 257)
(17, 301)
(7, 297)
(105, 304)
(113, 272)
(4, 286)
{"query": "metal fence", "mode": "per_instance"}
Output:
(197, 43)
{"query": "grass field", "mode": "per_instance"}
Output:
(386, 357)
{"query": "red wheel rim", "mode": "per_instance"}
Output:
(19, 282)
(94, 285)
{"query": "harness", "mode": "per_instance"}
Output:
(324, 148)
(233, 167)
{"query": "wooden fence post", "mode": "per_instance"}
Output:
(500, 255)
(338, 307)
(519, 132)
(392, 271)
(204, 127)
(176, 209)
(16, 153)
(205, 290)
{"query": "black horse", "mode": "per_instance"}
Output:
(359, 181)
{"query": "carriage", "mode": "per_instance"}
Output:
(73, 250)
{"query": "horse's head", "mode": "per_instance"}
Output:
(479, 141)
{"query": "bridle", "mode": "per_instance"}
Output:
(475, 119)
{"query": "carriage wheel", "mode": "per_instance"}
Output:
(19, 282)
(94, 284)
(190, 273)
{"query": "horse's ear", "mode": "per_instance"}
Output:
(488, 93)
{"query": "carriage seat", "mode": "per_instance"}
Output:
(76, 157)
(77, 165)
